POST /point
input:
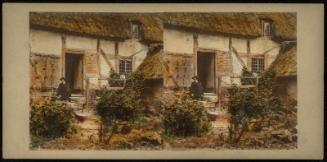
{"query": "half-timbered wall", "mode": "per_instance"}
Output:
(48, 49)
(232, 53)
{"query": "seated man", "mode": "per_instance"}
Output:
(196, 89)
(63, 90)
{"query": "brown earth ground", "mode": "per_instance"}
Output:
(280, 135)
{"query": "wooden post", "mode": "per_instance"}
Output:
(87, 93)
(63, 54)
(195, 53)
(98, 62)
(219, 92)
(230, 55)
(117, 57)
(248, 55)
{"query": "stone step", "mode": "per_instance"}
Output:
(74, 105)
(86, 114)
(210, 97)
(208, 104)
(79, 100)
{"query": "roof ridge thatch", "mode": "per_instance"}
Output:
(285, 63)
(152, 65)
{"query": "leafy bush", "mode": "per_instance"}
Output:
(51, 120)
(186, 117)
(246, 78)
(113, 105)
(116, 106)
(247, 104)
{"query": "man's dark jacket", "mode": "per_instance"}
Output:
(63, 91)
(196, 90)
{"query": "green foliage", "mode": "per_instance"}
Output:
(117, 105)
(35, 141)
(250, 103)
(124, 105)
(51, 120)
(114, 79)
(186, 117)
(247, 81)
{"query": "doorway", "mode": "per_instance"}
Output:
(74, 72)
(206, 70)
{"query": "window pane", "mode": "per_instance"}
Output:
(125, 66)
(266, 26)
(122, 67)
(257, 65)
(135, 30)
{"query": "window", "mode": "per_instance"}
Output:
(257, 64)
(135, 30)
(266, 28)
(125, 66)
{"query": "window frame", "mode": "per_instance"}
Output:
(267, 27)
(260, 66)
(128, 68)
(135, 30)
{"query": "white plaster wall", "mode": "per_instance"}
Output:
(240, 45)
(177, 41)
(226, 81)
(104, 67)
(258, 46)
(130, 46)
(237, 65)
(113, 63)
(138, 59)
(107, 46)
(45, 42)
(133, 46)
(93, 83)
(213, 42)
(271, 56)
(245, 60)
(261, 45)
(82, 43)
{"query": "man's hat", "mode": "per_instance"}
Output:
(62, 78)
(195, 77)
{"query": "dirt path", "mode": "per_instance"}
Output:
(220, 125)
(89, 126)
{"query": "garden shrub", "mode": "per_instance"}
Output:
(250, 103)
(120, 106)
(186, 117)
(52, 120)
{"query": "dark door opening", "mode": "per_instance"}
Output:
(206, 71)
(74, 72)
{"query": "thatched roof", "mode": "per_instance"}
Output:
(285, 63)
(241, 24)
(152, 66)
(104, 25)
(117, 25)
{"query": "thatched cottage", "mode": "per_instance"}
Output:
(167, 48)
